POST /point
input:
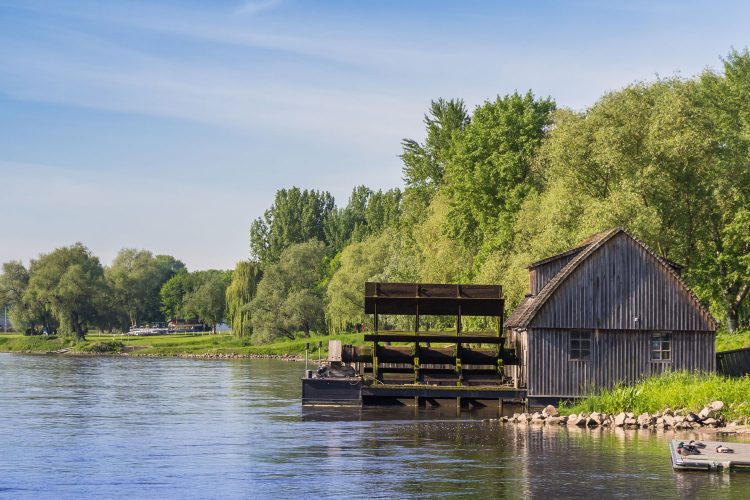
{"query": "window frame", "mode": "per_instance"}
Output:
(582, 340)
(664, 340)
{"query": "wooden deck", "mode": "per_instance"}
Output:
(709, 459)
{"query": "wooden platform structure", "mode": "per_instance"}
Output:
(427, 368)
(709, 459)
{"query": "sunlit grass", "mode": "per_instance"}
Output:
(676, 390)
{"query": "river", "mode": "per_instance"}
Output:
(118, 427)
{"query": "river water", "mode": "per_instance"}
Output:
(100, 427)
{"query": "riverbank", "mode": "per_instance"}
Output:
(206, 346)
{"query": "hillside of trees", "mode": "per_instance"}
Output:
(485, 192)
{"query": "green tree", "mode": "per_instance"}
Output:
(25, 311)
(135, 280)
(489, 172)
(424, 163)
(172, 294)
(207, 301)
(239, 295)
(295, 217)
(68, 280)
(290, 295)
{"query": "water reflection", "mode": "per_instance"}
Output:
(119, 427)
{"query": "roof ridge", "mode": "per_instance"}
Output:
(552, 285)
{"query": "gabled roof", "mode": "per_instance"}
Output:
(523, 314)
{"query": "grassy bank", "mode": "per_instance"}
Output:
(173, 345)
(726, 341)
(676, 390)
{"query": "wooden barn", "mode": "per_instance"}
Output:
(610, 310)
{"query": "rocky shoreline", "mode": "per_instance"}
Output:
(710, 417)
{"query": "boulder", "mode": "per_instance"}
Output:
(646, 419)
(563, 419)
(552, 420)
(711, 422)
(596, 418)
(668, 420)
(537, 418)
(630, 422)
(581, 421)
(620, 419)
(668, 412)
(716, 405)
(572, 419)
(678, 419)
(550, 411)
(630, 414)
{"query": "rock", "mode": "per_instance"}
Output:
(668, 420)
(505, 419)
(550, 411)
(597, 418)
(581, 421)
(705, 412)
(572, 419)
(659, 420)
(630, 414)
(668, 412)
(552, 420)
(620, 419)
(537, 418)
(711, 422)
(716, 405)
(678, 419)
(563, 419)
(630, 422)
(646, 419)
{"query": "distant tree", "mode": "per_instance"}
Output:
(135, 281)
(240, 293)
(172, 294)
(68, 280)
(295, 217)
(358, 263)
(424, 163)
(290, 295)
(26, 312)
(207, 301)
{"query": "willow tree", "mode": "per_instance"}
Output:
(239, 294)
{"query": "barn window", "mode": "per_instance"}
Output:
(580, 346)
(661, 346)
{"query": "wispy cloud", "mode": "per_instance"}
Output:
(256, 6)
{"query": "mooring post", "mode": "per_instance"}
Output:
(307, 349)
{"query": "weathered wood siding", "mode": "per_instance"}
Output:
(616, 356)
(619, 282)
(734, 363)
(540, 275)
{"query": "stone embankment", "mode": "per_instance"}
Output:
(709, 417)
(221, 355)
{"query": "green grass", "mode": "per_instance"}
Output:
(726, 341)
(676, 390)
(175, 345)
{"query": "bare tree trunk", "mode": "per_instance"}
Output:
(732, 318)
(80, 334)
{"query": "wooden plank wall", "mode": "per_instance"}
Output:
(735, 363)
(540, 275)
(616, 356)
(618, 283)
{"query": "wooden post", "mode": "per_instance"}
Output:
(416, 342)
(458, 344)
(375, 343)
(458, 406)
(500, 407)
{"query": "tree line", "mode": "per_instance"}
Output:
(518, 179)
(515, 180)
(68, 291)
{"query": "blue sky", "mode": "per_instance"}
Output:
(169, 125)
